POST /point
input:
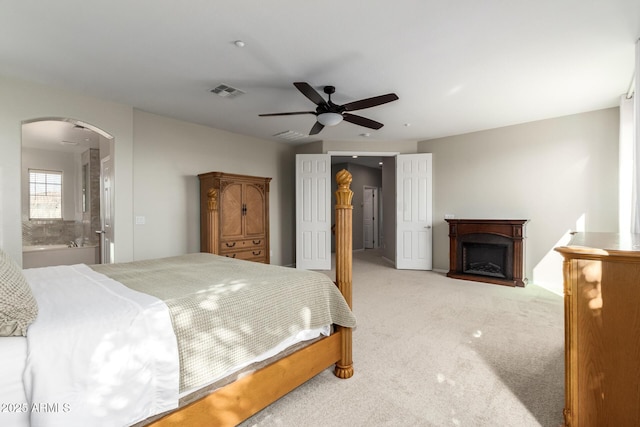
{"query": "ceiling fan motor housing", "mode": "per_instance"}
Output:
(329, 90)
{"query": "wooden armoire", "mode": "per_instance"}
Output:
(234, 216)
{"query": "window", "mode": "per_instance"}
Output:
(45, 194)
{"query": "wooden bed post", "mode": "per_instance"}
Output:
(344, 263)
(212, 218)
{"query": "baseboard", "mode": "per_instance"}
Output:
(389, 261)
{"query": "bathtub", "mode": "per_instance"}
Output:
(44, 256)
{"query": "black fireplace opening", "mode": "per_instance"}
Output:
(485, 259)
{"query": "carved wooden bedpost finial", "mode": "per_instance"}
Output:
(344, 263)
(344, 195)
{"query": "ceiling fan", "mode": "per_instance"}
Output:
(329, 114)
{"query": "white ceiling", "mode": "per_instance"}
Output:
(457, 66)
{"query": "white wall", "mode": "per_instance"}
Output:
(168, 156)
(561, 174)
(22, 101)
(403, 147)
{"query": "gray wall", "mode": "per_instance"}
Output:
(169, 154)
(33, 101)
(561, 174)
(362, 176)
(156, 163)
(389, 209)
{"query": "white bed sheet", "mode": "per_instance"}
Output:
(13, 402)
(99, 353)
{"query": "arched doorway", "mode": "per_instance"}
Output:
(67, 216)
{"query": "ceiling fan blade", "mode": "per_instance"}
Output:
(361, 121)
(316, 128)
(310, 93)
(370, 102)
(287, 114)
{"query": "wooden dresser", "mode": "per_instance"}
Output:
(234, 216)
(602, 330)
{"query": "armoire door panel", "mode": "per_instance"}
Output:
(254, 218)
(231, 215)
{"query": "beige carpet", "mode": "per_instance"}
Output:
(434, 351)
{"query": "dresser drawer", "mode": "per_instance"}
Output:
(250, 255)
(241, 245)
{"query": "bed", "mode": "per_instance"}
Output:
(185, 353)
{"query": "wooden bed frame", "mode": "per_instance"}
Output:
(233, 403)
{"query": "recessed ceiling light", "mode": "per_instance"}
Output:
(239, 43)
(355, 157)
(365, 135)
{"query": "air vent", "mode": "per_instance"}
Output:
(226, 91)
(291, 135)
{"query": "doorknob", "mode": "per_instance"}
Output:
(428, 226)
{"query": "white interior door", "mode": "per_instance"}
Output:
(414, 219)
(369, 209)
(313, 211)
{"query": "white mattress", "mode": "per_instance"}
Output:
(13, 402)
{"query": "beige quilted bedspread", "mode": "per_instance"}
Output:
(226, 311)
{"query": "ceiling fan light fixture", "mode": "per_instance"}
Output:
(329, 119)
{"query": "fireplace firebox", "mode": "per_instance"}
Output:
(487, 250)
(484, 259)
